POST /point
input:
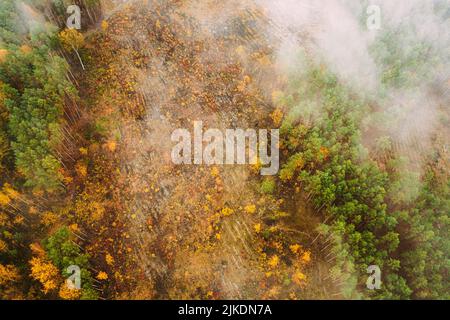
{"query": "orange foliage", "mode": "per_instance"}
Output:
(102, 275)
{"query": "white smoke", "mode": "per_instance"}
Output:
(334, 32)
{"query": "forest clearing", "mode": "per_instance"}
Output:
(87, 176)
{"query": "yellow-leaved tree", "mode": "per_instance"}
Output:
(8, 274)
(71, 39)
(46, 273)
(68, 293)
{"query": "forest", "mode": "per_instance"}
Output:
(88, 188)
